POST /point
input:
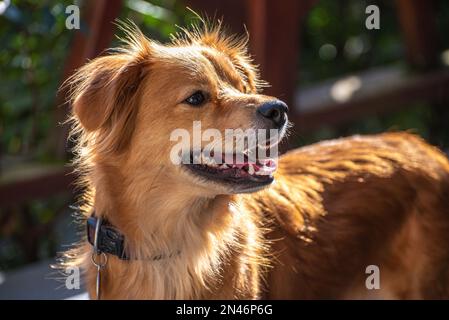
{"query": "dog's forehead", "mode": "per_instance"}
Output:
(201, 60)
(225, 67)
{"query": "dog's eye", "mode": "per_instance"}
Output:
(196, 99)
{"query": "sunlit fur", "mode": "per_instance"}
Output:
(335, 207)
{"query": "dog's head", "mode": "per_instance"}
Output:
(189, 112)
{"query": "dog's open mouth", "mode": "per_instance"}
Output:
(240, 170)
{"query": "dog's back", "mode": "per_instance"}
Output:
(344, 208)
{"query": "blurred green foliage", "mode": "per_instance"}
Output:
(32, 231)
(34, 43)
(335, 43)
(339, 26)
(158, 18)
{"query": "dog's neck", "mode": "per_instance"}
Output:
(162, 211)
(207, 231)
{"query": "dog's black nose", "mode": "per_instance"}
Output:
(275, 111)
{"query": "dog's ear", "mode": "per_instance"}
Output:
(104, 91)
(105, 98)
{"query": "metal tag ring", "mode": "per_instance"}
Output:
(102, 261)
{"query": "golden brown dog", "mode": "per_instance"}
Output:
(334, 209)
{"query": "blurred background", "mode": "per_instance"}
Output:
(338, 77)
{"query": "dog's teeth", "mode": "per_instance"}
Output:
(251, 170)
(265, 171)
(208, 161)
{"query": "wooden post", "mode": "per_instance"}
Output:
(87, 43)
(418, 24)
(274, 28)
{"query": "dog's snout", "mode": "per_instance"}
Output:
(275, 110)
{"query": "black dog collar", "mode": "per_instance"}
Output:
(111, 241)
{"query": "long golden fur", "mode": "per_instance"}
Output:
(335, 207)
